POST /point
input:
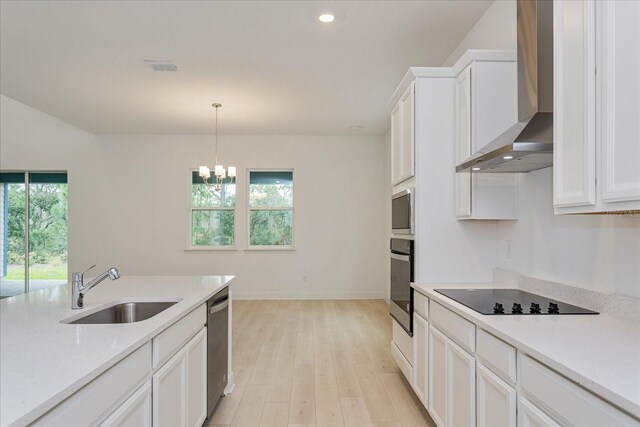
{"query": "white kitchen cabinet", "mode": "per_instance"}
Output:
(402, 137)
(395, 144)
(485, 107)
(496, 403)
(134, 412)
(451, 380)
(461, 387)
(97, 400)
(530, 416)
(420, 357)
(197, 380)
(173, 388)
(563, 400)
(596, 107)
(437, 376)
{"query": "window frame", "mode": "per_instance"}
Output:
(190, 246)
(290, 247)
(27, 181)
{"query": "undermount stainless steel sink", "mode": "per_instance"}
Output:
(127, 312)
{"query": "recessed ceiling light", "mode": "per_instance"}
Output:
(475, 169)
(356, 127)
(508, 157)
(326, 18)
(160, 65)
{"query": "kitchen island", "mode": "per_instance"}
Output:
(45, 363)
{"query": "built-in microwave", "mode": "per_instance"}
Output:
(402, 211)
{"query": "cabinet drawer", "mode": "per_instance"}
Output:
(496, 354)
(564, 400)
(403, 341)
(92, 403)
(135, 412)
(176, 336)
(455, 327)
(402, 362)
(421, 304)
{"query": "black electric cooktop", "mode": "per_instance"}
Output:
(510, 302)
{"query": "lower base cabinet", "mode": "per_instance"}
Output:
(134, 412)
(420, 355)
(179, 387)
(496, 400)
(461, 387)
(437, 378)
(452, 382)
(530, 416)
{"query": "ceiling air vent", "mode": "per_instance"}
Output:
(158, 65)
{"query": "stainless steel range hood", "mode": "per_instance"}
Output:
(527, 145)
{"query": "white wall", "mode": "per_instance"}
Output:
(496, 29)
(600, 253)
(339, 217)
(129, 204)
(446, 250)
(32, 140)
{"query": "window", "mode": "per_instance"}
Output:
(33, 231)
(271, 209)
(212, 214)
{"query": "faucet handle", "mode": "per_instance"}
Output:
(78, 276)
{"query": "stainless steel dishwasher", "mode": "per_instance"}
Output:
(217, 348)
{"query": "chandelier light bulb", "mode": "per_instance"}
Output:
(204, 172)
(232, 172)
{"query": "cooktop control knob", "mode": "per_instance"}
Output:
(553, 308)
(535, 308)
(498, 308)
(517, 308)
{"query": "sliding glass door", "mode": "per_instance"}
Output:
(33, 231)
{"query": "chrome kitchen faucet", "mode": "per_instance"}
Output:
(79, 288)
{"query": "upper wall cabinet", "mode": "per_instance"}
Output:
(596, 165)
(402, 137)
(485, 107)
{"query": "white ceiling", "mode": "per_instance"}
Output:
(275, 68)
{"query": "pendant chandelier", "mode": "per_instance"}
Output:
(219, 172)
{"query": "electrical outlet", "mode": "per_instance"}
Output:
(507, 249)
(304, 278)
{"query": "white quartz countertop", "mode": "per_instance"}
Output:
(599, 352)
(43, 361)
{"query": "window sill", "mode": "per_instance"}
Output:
(211, 249)
(270, 248)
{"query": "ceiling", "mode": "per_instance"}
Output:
(275, 68)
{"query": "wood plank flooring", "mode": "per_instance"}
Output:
(316, 363)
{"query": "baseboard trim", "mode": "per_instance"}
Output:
(237, 295)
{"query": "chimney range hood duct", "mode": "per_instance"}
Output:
(527, 145)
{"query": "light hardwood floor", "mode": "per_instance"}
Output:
(316, 363)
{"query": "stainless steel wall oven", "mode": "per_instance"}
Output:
(401, 305)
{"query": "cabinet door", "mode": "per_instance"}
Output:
(134, 412)
(420, 357)
(574, 158)
(461, 386)
(530, 416)
(496, 400)
(619, 80)
(407, 132)
(437, 376)
(463, 142)
(197, 379)
(170, 392)
(395, 144)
